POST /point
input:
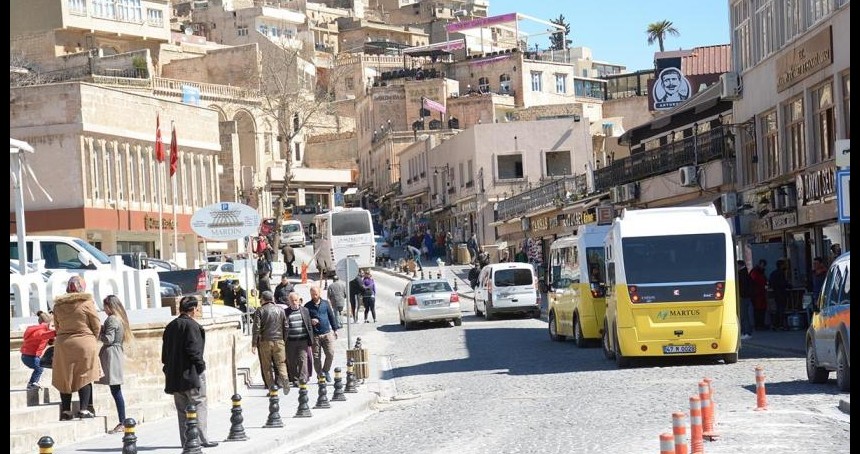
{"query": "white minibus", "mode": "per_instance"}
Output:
(341, 233)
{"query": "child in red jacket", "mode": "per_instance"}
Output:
(36, 338)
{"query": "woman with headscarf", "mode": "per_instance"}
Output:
(76, 360)
(369, 297)
(114, 333)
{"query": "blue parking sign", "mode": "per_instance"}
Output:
(843, 195)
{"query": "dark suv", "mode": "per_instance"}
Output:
(828, 339)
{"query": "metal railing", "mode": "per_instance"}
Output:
(705, 147)
(555, 193)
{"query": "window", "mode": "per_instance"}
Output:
(557, 163)
(846, 105)
(513, 277)
(816, 10)
(298, 151)
(484, 85)
(771, 145)
(430, 287)
(77, 7)
(589, 88)
(104, 9)
(764, 23)
(94, 173)
(242, 30)
(536, 81)
(792, 21)
(471, 174)
(561, 83)
(129, 11)
(741, 35)
(750, 161)
(505, 83)
(462, 175)
(350, 83)
(154, 17)
(510, 166)
(795, 146)
(350, 223)
(822, 102)
(680, 258)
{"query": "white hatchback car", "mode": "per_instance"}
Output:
(429, 300)
(509, 287)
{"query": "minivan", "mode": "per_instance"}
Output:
(509, 287)
(292, 233)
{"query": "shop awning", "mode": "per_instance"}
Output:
(412, 197)
(582, 206)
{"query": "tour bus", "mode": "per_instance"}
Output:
(577, 303)
(670, 285)
(341, 233)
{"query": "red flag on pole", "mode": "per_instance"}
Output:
(159, 144)
(174, 151)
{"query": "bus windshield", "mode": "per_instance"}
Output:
(675, 258)
(350, 223)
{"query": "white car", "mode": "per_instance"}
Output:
(218, 269)
(293, 233)
(383, 249)
(509, 287)
(430, 300)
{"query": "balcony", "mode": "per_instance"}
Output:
(555, 193)
(702, 148)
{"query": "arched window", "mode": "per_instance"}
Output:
(504, 83)
(484, 85)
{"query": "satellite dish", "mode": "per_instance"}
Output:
(189, 31)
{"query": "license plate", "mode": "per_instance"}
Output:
(434, 302)
(671, 349)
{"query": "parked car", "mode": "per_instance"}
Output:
(215, 290)
(828, 338)
(383, 248)
(429, 300)
(219, 269)
(293, 233)
(15, 269)
(507, 287)
(169, 290)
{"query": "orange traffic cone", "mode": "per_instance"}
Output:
(760, 394)
(679, 431)
(667, 443)
(697, 445)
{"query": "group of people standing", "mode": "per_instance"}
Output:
(85, 350)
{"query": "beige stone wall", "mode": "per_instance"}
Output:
(552, 110)
(36, 47)
(634, 111)
(335, 153)
(226, 66)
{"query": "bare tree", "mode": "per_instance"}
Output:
(24, 72)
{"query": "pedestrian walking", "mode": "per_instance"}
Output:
(759, 297)
(299, 336)
(325, 326)
(745, 292)
(337, 295)
(289, 258)
(356, 293)
(369, 297)
(114, 335)
(76, 349)
(472, 245)
(283, 289)
(35, 341)
(415, 253)
(268, 341)
(182, 347)
(779, 287)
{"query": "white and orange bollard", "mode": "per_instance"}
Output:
(697, 444)
(667, 444)
(760, 393)
(679, 431)
(707, 417)
(713, 402)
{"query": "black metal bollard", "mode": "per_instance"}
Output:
(422, 274)
(237, 430)
(338, 395)
(350, 378)
(192, 433)
(46, 445)
(304, 411)
(439, 275)
(129, 440)
(455, 283)
(322, 398)
(274, 419)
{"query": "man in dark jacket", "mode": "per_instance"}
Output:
(298, 332)
(745, 292)
(356, 290)
(779, 286)
(182, 356)
(325, 326)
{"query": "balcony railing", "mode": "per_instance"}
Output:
(705, 147)
(555, 193)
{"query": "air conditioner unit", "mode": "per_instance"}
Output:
(789, 196)
(616, 194)
(778, 199)
(630, 191)
(730, 86)
(688, 176)
(729, 202)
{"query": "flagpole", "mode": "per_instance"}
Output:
(174, 150)
(158, 183)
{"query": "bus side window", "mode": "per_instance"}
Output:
(610, 277)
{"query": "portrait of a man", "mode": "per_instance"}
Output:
(670, 88)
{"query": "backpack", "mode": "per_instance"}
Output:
(261, 246)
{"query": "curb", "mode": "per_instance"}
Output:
(845, 406)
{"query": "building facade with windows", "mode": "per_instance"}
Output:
(791, 106)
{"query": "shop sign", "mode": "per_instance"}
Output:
(815, 186)
(784, 221)
(605, 215)
(225, 221)
(803, 60)
(564, 220)
(759, 225)
(150, 223)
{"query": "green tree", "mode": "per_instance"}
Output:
(559, 41)
(657, 31)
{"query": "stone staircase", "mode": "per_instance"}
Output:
(36, 413)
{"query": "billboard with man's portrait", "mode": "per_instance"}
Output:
(670, 88)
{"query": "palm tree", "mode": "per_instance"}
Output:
(658, 30)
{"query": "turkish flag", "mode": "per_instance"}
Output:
(159, 144)
(174, 152)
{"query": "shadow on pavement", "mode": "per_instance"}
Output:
(797, 387)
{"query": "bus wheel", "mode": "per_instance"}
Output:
(577, 333)
(620, 360)
(607, 349)
(553, 329)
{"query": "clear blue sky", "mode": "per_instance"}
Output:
(614, 30)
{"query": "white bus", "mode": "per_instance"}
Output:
(341, 233)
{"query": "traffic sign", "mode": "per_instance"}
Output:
(843, 195)
(842, 150)
(347, 269)
(225, 221)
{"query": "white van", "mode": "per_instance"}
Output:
(507, 287)
(61, 252)
(292, 233)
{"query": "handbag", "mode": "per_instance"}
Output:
(47, 359)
